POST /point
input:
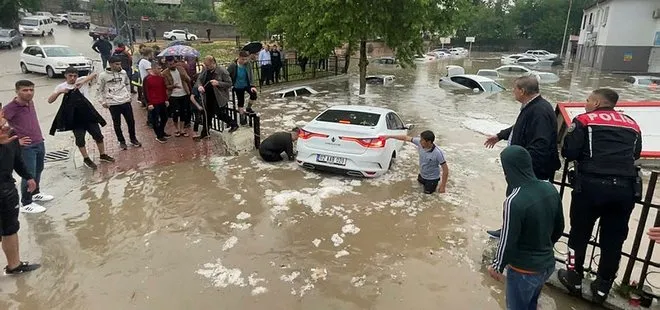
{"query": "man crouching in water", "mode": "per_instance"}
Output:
(272, 148)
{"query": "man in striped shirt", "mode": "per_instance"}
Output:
(533, 222)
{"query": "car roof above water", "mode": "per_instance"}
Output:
(361, 108)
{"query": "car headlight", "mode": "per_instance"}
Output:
(60, 64)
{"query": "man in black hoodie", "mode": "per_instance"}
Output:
(533, 222)
(103, 47)
(535, 130)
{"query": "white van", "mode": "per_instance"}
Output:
(36, 25)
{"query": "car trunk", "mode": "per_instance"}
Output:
(335, 132)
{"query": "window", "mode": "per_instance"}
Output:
(29, 22)
(469, 83)
(60, 51)
(349, 117)
(389, 120)
(491, 87)
(584, 21)
(629, 79)
(398, 122)
(644, 82)
(591, 17)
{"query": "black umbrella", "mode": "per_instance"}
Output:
(252, 47)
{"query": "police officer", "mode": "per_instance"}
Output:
(604, 144)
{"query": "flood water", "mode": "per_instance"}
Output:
(231, 232)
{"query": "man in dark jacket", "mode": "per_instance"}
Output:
(10, 161)
(214, 84)
(533, 222)
(103, 47)
(272, 148)
(535, 130)
(243, 82)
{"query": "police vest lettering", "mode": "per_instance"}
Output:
(608, 118)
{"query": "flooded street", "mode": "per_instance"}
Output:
(232, 232)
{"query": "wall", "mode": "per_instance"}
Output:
(613, 58)
(632, 23)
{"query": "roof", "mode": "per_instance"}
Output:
(361, 108)
(645, 77)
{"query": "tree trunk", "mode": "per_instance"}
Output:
(347, 58)
(363, 66)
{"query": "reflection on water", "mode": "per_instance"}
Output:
(236, 232)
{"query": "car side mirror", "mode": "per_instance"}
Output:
(40, 55)
(409, 126)
(476, 90)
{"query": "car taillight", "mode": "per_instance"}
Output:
(304, 134)
(367, 142)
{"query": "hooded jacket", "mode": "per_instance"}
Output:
(533, 216)
(114, 87)
(75, 112)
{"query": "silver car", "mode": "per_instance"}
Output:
(10, 38)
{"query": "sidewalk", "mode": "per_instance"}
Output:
(152, 153)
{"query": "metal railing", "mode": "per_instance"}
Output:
(634, 256)
(296, 69)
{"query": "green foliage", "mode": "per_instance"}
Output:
(251, 17)
(9, 8)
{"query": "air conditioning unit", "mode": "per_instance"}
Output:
(656, 14)
(590, 28)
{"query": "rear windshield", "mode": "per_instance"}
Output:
(349, 117)
(29, 22)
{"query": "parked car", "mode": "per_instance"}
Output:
(489, 73)
(53, 60)
(61, 19)
(513, 70)
(471, 81)
(384, 61)
(440, 54)
(643, 80)
(36, 25)
(78, 20)
(295, 92)
(98, 31)
(546, 77)
(458, 51)
(541, 54)
(10, 38)
(510, 59)
(350, 139)
(178, 35)
(380, 79)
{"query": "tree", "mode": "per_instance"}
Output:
(251, 17)
(71, 5)
(10, 16)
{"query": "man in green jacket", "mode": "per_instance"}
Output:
(533, 222)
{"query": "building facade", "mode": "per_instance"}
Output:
(621, 35)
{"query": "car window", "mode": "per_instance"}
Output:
(469, 83)
(491, 87)
(36, 50)
(29, 22)
(398, 123)
(526, 60)
(389, 120)
(349, 117)
(644, 82)
(60, 51)
(5, 33)
(629, 79)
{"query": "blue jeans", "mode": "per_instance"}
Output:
(523, 290)
(33, 156)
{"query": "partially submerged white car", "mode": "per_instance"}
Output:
(457, 79)
(295, 92)
(517, 70)
(643, 81)
(541, 54)
(380, 79)
(350, 140)
(510, 59)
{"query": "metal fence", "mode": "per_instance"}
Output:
(296, 69)
(635, 255)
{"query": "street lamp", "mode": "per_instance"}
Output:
(568, 16)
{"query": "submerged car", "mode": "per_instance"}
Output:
(511, 59)
(295, 92)
(350, 140)
(457, 79)
(10, 38)
(643, 80)
(380, 79)
(53, 60)
(385, 61)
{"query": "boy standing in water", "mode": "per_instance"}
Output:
(431, 158)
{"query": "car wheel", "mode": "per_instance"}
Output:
(24, 68)
(50, 72)
(172, 38)
(391, 161)
(43, 33)
(50, 33)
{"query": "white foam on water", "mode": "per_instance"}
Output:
(222, 276)
(484, 126)
(358, 281)
(259, 290)
(237, 197)
(253, 280)
(336, 239)
(311, 198)
(478, 115)
(319, 273)
(240, 226)
(243, 216)
(260, 165)
(316, 242)
(291, 277)
(350, 229)
(230, 243)
(341, 253)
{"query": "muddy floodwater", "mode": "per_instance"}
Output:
(231, 232)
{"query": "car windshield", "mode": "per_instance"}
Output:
(491, 87)
(4, 32)
(60, 51)
(29, 22)
(487, 73)
(349, 117)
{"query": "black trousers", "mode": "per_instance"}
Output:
(276, 72)
(116, 111)
(612, 200)
(180, 109)
(221, 113)
(158, 119)
(270, 156)
(266, 74)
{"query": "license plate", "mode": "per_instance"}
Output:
(340, 161)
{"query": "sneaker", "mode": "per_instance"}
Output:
(600, 289)
(23, 267)
(571, 280)
(495, 234)
(161, 140)
(89, 163)
(233, 128)
(123, 146)
(106, 158)
(167, 135)
(32, 208)
(42, 197)
(136, 143)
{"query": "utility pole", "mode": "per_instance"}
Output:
(120, 18)
(568, 17)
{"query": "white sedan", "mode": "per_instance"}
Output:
(350, 139)
(53, 60)
(178, 35)
(476, 83)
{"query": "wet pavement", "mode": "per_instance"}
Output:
(157, 231)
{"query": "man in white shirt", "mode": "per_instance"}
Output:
(178, 84)
(266, 65)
